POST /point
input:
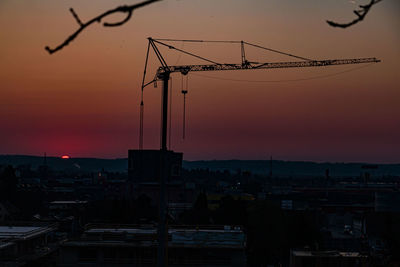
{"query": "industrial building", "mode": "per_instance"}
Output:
(27, 243)
(144, 165)
(131, 245)
(307, 258)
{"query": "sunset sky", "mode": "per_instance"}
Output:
(83, 101)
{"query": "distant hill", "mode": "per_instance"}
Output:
(56, 163)
(294, 168)
(279, 168)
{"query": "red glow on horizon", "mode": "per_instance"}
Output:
(65, 157)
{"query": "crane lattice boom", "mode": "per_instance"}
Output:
(184, 69)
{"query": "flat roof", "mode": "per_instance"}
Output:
(154, 230)
(332, 253)
(122, 230)
(69, 202)
(5, 244)
(180, 237)
(123, 244)
(17, 230)
(22, 232)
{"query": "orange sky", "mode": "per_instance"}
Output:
(84, 100)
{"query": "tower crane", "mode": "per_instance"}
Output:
(163, 74)
(164, 71)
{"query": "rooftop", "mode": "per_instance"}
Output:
(23, 232)
(179, 236)
(330, 253)
(69, 202)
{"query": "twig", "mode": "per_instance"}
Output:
(361, 13)
(123, 9)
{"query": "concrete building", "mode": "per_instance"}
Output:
(26, 243)
(7, 211)
(128, 245)
(307, 258)
(66, 208)
(144, 165)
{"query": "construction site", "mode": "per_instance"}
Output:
(204, 133)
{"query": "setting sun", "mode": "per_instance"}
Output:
(65, 157)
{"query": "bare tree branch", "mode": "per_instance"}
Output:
(121, 9)
(128, 9)
(76, 16)
(361, 13)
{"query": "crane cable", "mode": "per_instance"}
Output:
(187, 53)
(198, 41)
(170, 114)
(142, 101)
(184, 92)
(180, 55)
(170, 102)
(141, 122)
(277, 51)
(235, 42)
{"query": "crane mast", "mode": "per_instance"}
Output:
(164, 72)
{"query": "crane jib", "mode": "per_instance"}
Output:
(184, 69)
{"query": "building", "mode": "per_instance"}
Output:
(66, 208)
(307, 258)
(129, 245)
(144, 165)
(7, 211)
(27, 243)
